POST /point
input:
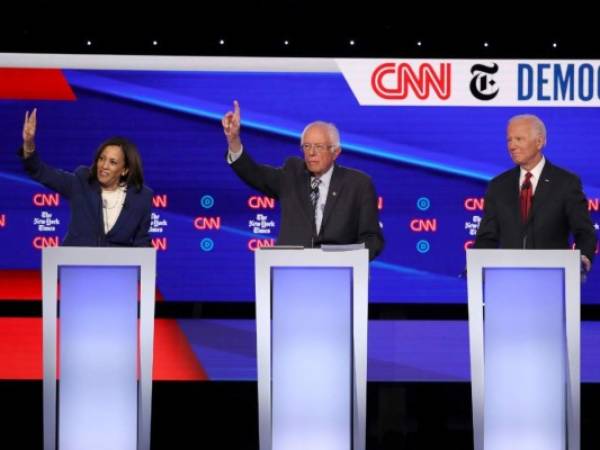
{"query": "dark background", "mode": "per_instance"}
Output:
(313, 28)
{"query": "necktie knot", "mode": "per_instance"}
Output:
(527, 182)
(314, 191)
(314, 183)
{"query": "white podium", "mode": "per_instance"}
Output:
(311, 323)
(103, 397)
(525, 355)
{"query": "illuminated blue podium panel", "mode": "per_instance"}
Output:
(97, 346)
(524, 330)
(311, 319)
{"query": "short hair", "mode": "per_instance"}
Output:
(132, 159)
(535, 121)
(334, 134)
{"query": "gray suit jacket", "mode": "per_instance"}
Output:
(350, 214)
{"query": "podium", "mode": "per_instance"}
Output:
(525, 355)
(97, 381)
(311, 328)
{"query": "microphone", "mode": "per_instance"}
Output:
(529, 236)
(105, 215)
(584, 274)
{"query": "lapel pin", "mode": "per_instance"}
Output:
(334, 193)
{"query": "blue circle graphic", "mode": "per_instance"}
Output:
(207, 244)
(423, 203)
(207, 201)
(423, 246)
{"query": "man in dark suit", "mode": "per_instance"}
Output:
(321, 202)
(535, 205)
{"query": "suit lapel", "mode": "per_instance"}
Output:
(512, 192)
(303, 192)
(543, 188)
(335, 188)
(122, 215)
(94, 203)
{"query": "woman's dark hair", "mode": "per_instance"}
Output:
(133, 161)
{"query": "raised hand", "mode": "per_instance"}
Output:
(29, 126)
(231, 127)
(586, 266)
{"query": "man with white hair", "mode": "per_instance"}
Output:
(535, 205)
(321, 202)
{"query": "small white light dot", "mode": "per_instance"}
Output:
(155, 43)
(554, 44)
(286, 42)
(88, 43)
(419, 43)
(222, 42)
(351, 41)
(486, 45)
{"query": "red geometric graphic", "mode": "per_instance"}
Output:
(21, 338)
(34, 84)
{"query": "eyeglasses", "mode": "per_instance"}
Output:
(319, 148)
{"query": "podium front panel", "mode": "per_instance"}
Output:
(105, 350)
(312, 366)
(311, 343)
(525, 355)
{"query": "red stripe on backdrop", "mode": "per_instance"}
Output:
(34, 84)
(21, 338)
(21, 351)
(174, 358)
(20, 285)
(20, 348)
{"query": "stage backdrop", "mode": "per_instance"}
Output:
(431, 134)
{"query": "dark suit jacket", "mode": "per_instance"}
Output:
(559, 208)
(350, 214)
(86, 227)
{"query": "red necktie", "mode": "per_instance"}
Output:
(525, 197)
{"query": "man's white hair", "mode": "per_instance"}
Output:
(537, 123)
(334, 134)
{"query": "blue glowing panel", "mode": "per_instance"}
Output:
(98, 394)
(525, 359)
(311, 368)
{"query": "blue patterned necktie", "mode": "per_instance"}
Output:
(314, 195)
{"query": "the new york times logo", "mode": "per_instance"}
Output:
(483, 86)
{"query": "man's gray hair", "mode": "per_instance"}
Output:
(334, 134)
(537, 123)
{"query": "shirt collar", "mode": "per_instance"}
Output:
(326, 177)
(536, 171)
